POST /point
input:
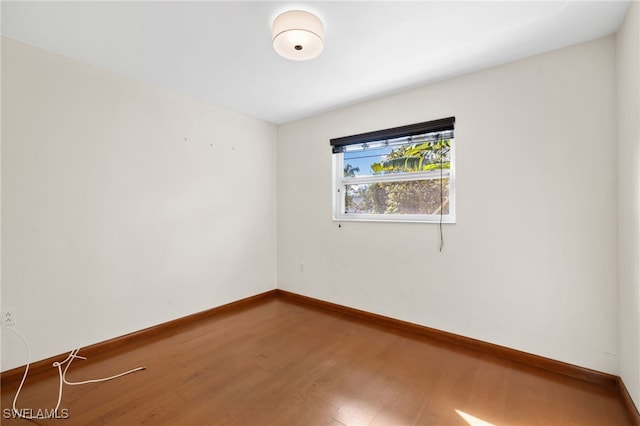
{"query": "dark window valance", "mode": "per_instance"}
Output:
(443, 124)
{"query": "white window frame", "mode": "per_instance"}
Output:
(340, 183)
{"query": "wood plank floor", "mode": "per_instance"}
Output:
(281, 363)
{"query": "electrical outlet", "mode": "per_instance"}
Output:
(8, 317)
(301, 267)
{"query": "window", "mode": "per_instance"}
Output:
(403, 174)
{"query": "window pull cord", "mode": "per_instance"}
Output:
(441, 195)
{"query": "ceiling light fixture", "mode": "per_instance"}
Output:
(298, 35)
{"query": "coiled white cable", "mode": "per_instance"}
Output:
(62, 375)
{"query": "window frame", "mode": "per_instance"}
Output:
(340, 182)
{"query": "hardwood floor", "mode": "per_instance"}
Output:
(281, 363)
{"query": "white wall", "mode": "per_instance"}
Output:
(124, 205)
(113, 222)
(628, 83)
(531, 262)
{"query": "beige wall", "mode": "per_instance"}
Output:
(531, 262)
(628, 82)
(124, 205)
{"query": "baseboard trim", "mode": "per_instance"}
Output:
(117, 342)
(479, 345)
(632, 410)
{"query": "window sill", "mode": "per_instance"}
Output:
(394, 219)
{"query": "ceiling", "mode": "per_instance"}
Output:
(220, 52)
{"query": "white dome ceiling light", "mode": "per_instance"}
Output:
(298, 35)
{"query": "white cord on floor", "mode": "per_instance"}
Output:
(73, 355)
(62, 374)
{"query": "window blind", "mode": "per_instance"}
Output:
(395, 133)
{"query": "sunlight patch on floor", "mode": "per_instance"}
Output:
(473, 421)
